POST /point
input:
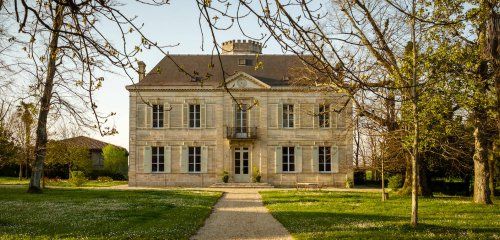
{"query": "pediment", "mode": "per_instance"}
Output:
(242, 80)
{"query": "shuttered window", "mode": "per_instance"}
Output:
(288, 159)
(158, 159)
(287, 115)
(157, 116)
(325, 159)
(194, 160)
(324, 116)
(194, 116)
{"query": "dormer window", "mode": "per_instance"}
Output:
(196, 79)
(245, 62)
(286, 78)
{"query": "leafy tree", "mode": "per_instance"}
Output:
(26, 113)
(74, 158)
(115, 160)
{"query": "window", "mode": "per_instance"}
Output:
(194, 116)
(157, 116)
(245, 62)
(324, 116)
(288, 159)
(325, 159)
(158, 159)
(287, 115)
(194, 164)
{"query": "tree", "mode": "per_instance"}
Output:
(26, 112)
(74, 158)
(75, 38)
(115, 160)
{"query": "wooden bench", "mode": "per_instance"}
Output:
(306, 186)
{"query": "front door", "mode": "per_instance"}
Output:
(241, 164)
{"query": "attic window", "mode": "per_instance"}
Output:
(286, 78)
(196, 79)
(245, 62)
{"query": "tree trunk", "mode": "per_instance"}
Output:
(482, 192)
(20, 171)
(41, 130)
(414, 159)
(491, 162)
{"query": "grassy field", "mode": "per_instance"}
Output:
(333, 215)
(59, 183)
(102, 214)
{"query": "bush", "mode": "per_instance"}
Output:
(349, 183)
(359, 177)
(115, 160)
(104, 179)
(395, 182)
(256, 175)
(225, 177)
(77, 178)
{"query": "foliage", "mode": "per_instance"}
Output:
(357, 215)
(115, 160)
(225, 177)
(349, 182)
(104, 179)
(77, 178)
(74, 158)
(103, 214)
(8, 150)
(395, 182)
(256, 175)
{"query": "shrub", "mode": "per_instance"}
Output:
(77, 178)
(395, 182)
(349, 183)
(115, 160)
(104, 179)
(225, 176)
(256, 175)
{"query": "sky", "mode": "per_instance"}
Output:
(172, 24)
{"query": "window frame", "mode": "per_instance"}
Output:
(288, 166)
(324, 116)
(194, 159)
(157, 116)
(159, 156)
(194, 116)
(324, 159)
(287, 116)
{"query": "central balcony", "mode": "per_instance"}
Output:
(241, 133)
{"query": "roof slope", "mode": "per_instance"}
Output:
(272, 71)
(86, 142)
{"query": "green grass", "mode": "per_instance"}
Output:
(103, 214)
(334, 215)
(59, 183)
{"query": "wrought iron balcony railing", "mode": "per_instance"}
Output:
(241, 133)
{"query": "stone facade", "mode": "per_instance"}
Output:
(260, 146)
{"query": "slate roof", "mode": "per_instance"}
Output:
(86, 142)
(274, 69)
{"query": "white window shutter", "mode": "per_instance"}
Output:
(296, 115)
(146, 160)
(335, 158)
(333, 117)
(203, 115)
(278, 159)
(149, 116)
(204, 159)
(272, 115)
(185, 115)
(316, 116)
(168, 159)
(141, 115)
(341, 119)
(166, 115)
(298, 159)
(315, 160)
(280, 115)
(184, 159)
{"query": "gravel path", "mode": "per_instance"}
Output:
(240, 214)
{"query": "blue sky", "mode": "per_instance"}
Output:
(172, 24)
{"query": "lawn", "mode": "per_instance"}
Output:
(103, 214)
(333, 215)
(59, 183)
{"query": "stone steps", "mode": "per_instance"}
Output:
(241, 185)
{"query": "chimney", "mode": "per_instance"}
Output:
(141, 70)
